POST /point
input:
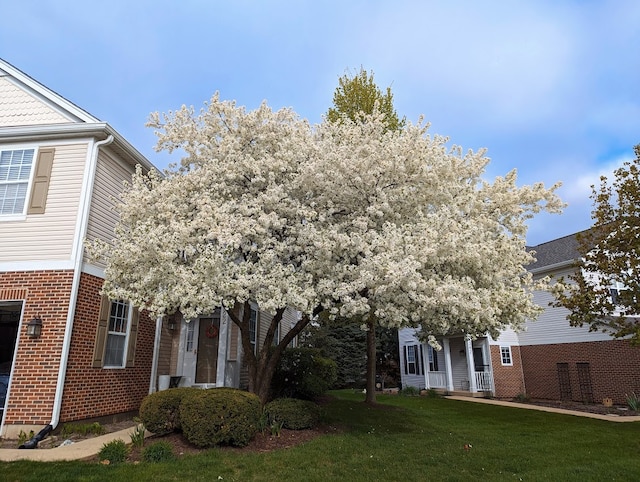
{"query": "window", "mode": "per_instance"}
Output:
(16, 168)
(116, 335)
(505, 355)
(15, 172)
(412, 360)
(253, 327)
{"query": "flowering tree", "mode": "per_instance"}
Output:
(605, 291)
(349, 218)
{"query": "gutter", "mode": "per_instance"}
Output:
(66, 343)
(156, 355)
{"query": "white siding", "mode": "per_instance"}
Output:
(19, 108)
(406, 337)
(506, 337)
(552, 326)
(110, 176)
(49, 236)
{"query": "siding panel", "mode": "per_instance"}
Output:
(49, 236)
(110, 176)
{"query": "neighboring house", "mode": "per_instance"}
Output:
(548, 359)
(60, 169)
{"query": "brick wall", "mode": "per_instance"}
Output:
(614, 368)
(97, 392)
(507, 379)
(45, 294)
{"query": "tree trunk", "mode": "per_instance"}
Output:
(371, 363)
(262, 367)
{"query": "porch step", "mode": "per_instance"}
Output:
(462, 393)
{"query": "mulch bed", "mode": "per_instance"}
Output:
(597, 408)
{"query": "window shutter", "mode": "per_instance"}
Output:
(416, 355)
(41, 177)
(424, 368)
(133, 334)
(406, 365)
(101, 333)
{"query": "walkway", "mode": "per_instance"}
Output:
(75, 451)
(609, 418)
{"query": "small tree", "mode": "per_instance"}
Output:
(605, 293)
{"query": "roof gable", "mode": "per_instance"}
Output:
(26, 102)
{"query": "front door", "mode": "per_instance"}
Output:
(201, 337)
(10, 314)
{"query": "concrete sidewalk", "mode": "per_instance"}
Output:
(75, 451)
(609, 418)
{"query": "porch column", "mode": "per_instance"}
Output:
(471, 369)
(223, 343)
(425, 363)
(447, 363)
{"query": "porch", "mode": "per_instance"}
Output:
(462, 367)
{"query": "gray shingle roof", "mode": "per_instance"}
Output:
(555, 251)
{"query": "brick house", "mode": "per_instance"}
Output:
(59, 167)
(93, 357)
(548, 359)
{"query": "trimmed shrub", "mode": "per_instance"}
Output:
(115, 451)
(294, 414)
(158, 452)
(159, 411)
(303, 373)
(220, 416)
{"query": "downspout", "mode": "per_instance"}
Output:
(156, 355)
(66, 342)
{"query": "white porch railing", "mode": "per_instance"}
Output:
(484, 381)
(437, 379)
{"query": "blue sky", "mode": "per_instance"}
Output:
(548, 87)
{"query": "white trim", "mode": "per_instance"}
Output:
(510, 364)
(93, 270)
(127, 335)
(44, 265)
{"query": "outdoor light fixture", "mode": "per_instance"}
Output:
(171, 324)
(34, 327)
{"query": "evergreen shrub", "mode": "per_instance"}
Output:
(293, 413)
(303, 373)
(159, 411)
(220, 416)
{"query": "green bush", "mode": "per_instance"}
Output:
(303, 373)
(292, 413)
(410, 391)
(158, 452)
(220, 416)
(159, 411)
(115, 451)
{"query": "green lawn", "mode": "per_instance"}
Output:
(404, 439)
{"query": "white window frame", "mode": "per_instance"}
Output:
(111, 333)
(412, 351)
(28, 181)
(506, 356)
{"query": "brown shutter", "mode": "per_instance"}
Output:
(40, 188)
(101, 333)
(133, 334)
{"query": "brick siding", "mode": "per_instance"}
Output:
(614, 368)
(507, 379)
(97, 392)
(88, 392)
(45, 294)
